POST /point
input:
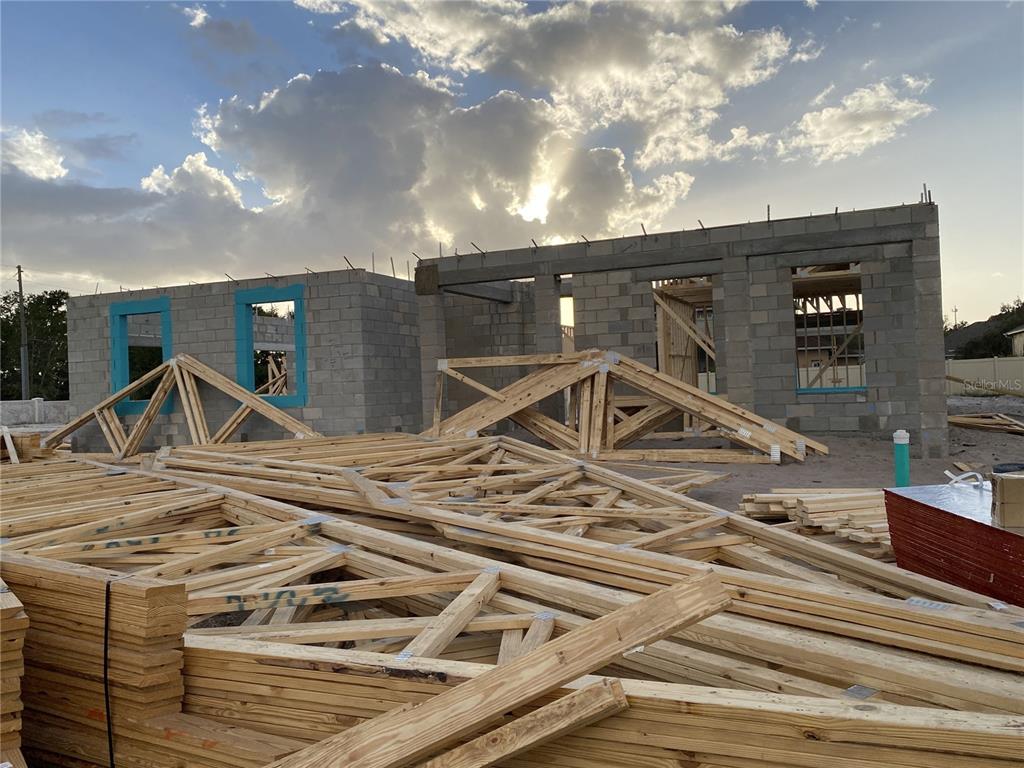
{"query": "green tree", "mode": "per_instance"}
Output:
(47, 320)
(994, 343)
(948, 327)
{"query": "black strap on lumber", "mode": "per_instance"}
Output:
(106, 674)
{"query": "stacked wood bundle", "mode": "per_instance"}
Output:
(103, 659)
(597, 425)
(990, 422)
(853, 516)
(13, 625)
(181, 376)
(18, 448)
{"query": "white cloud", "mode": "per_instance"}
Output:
(818, 100)
(371, 159)
(808, 50)
(661, 69)
(864, 119)
(320, 6)
(876, 25)
(867, 65)
(129, 236)
(916, 84)
(32, 153)
(197, 15)
(193, 175)
(812, 4)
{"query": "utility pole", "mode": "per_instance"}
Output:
(954, 316)
(24, 339)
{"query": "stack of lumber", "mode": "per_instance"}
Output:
(597, 425)
(22, 447)
(947, 532)
(13, 625)
(95, 658)
(181, 375)
(991, 422)
(854, 516)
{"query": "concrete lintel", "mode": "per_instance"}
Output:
(672, 271)
(500, 291)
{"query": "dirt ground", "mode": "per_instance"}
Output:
(863, 462)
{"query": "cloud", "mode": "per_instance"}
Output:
(27, 198)
(818, 100)
(153, 235)
(320, 6)
(64, 118)
(193, 175)
(867, 65)
(363, 159)
(32, 153)
(808, 50)
(916, 84)
(662, 70)
(102, 146)
(607, 108)
(196, 15)
(812, 4)
(233, 37)
(869, 116)
(236, 37)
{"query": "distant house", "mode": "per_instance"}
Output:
(1016, 340)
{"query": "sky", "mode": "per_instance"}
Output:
(153, 143)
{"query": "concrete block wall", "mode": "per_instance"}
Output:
(481, 328)
(362, 334)
(904, 356)
(615, 310)
(751, 269)
(35, 411)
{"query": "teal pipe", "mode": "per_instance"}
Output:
(901, 457)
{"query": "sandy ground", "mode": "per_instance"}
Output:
(862, 462)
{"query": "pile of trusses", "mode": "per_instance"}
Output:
(598, 425)
(394, 601)
(180, 377)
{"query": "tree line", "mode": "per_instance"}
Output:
(47, 321)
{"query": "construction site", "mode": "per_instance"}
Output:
(726, 519)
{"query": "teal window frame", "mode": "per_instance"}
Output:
(120, 311)
(245, 374)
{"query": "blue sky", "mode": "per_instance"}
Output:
(545, 122)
